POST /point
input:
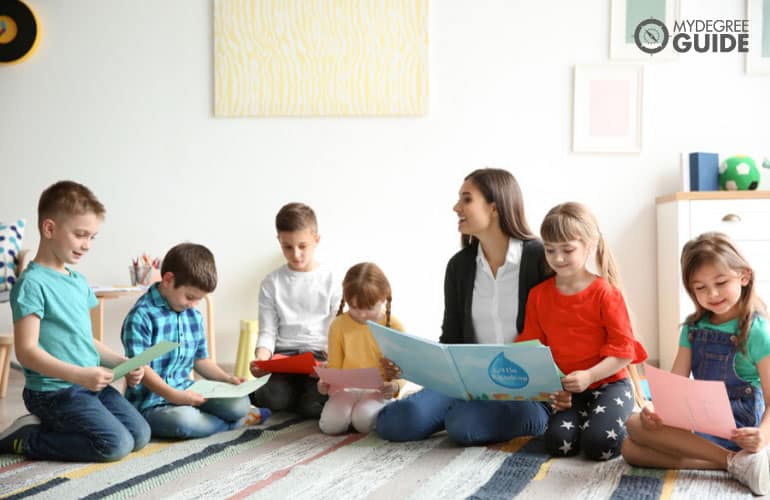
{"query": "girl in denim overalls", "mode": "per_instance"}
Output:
(726, 338)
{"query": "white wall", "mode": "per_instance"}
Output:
(119, 96)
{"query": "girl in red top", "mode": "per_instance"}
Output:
(582, 317)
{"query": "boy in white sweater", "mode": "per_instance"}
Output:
(297, 302)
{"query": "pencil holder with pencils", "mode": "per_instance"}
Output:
(144, 271)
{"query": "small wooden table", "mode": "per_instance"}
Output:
(97, 313)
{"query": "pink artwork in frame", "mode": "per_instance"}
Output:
(607, 109)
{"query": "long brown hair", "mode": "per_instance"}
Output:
(719, 250)
(573, 221)
(366, 285)
(499, 186)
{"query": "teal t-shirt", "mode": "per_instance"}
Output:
(63, 303)
(757, 347)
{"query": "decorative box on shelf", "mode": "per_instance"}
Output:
(743, 215)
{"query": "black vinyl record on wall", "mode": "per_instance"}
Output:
(18, 31)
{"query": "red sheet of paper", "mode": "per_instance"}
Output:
(300, 363)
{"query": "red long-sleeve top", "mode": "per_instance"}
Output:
(583, 328)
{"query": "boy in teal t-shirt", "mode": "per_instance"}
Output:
(75, 414)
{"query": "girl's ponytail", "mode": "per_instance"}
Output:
(387, 310)
(606, 262)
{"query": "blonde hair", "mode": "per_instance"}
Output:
(366, 285)
(719, 250)
(573, 221)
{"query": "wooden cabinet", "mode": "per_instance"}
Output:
(743, 215)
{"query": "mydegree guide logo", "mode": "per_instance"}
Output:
(700, 35)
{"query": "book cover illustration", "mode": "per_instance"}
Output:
(507, 372)
(510, 372)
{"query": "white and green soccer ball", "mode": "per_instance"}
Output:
(738, 173)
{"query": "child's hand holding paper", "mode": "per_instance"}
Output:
(143, 358)
(651, 420)
(134, 377)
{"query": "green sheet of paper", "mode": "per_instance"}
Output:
(143, 358)
(212, 389)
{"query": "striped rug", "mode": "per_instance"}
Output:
(287, 458)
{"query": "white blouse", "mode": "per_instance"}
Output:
(495, 303)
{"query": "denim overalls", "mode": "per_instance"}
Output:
(713, 358)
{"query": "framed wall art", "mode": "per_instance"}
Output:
(607, 109)
(320, 58)
(758, 56)
(649, 21)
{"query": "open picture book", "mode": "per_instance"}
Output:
(509, 372)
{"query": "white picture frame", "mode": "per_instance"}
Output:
(621, 48)
(607, 108)
(758, 16)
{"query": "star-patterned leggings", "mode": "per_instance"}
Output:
(596, 423)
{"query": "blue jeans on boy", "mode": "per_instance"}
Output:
(182, 422)
(713, 358)
(468, 423)
(83, 426)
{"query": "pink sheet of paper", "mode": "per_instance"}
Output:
(358, 378)
(695, 405)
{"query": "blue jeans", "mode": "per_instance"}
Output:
(83, 426)
(468, 423)
(181, 422)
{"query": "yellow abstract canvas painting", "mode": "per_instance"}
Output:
(320, 57)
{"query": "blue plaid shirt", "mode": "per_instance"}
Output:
(152, 320)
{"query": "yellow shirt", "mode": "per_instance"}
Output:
(352, 345)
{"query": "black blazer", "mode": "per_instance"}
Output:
(457, 327)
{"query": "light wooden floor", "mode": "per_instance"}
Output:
(12, 406)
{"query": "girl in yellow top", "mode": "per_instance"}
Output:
(351, 345)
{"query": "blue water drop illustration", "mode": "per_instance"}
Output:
(506, 373)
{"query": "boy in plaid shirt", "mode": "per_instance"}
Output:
(167, 312)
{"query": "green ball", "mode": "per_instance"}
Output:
(738, 173)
